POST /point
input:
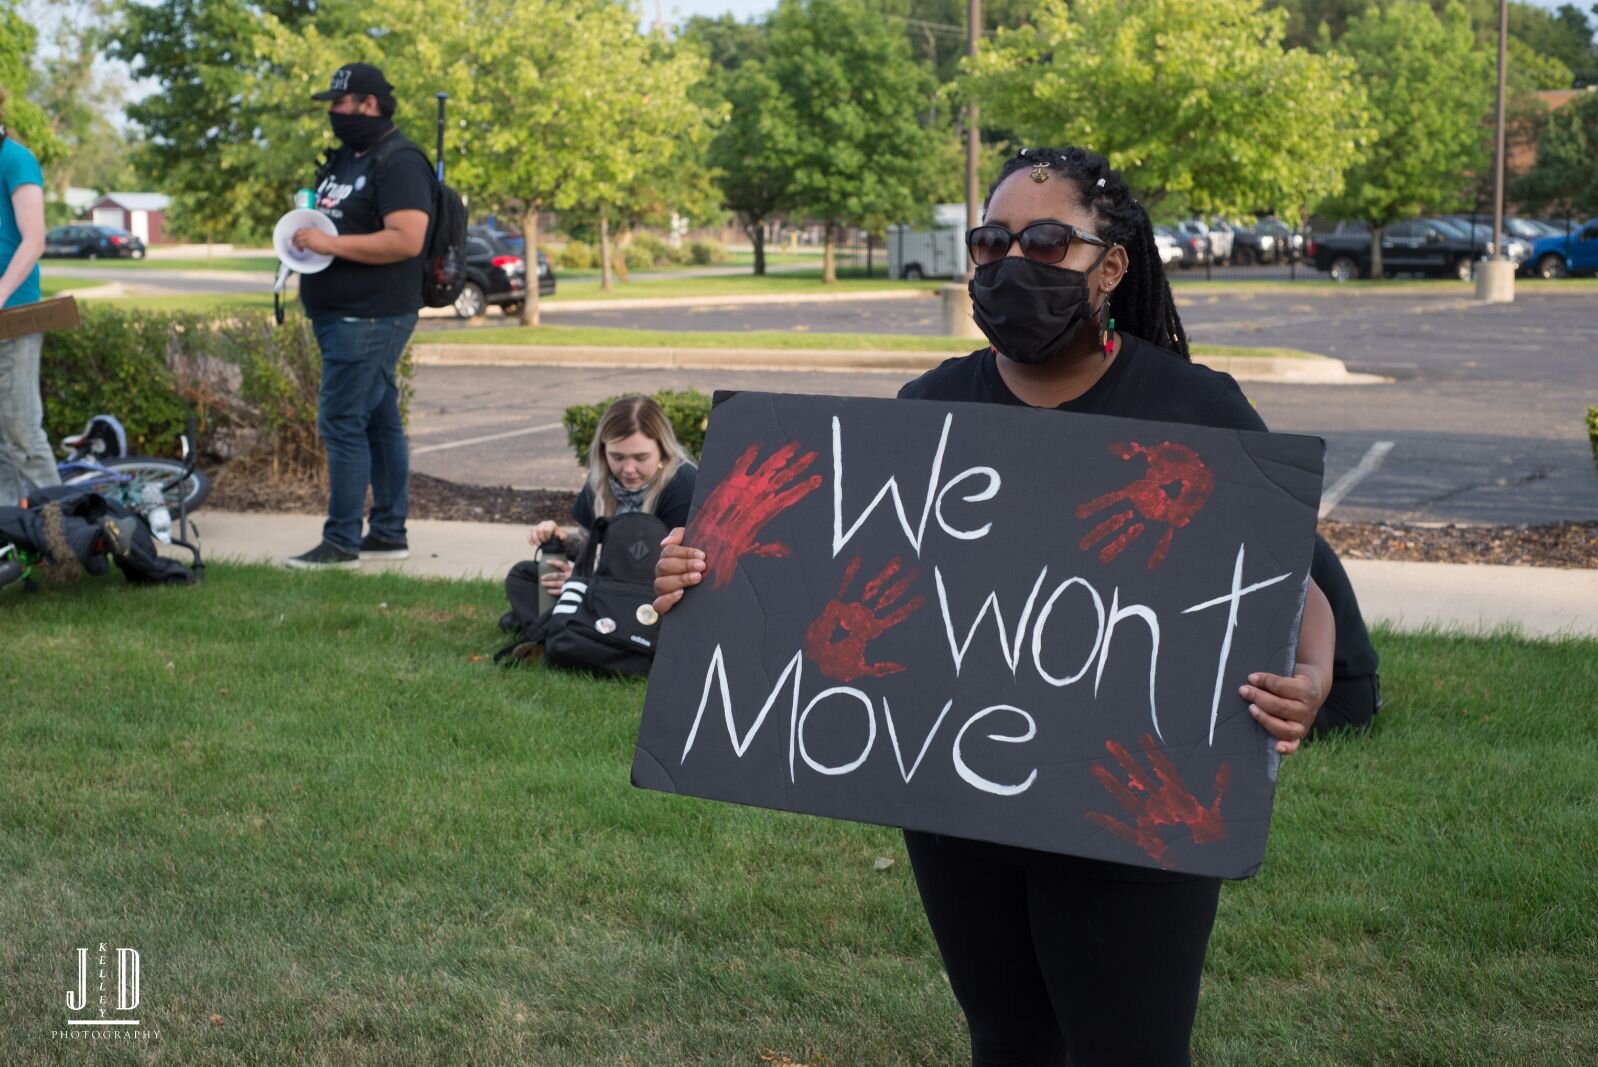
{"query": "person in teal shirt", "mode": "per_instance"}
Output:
(24, 447)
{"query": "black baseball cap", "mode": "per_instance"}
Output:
(362, 79)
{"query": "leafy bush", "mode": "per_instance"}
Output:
(638, 257)
(253, 384)
(115, 363)
(706, 251)
(660, 252)
(688, 411)
(575, 256)
(1592, 434)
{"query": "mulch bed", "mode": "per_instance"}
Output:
(1563, 544)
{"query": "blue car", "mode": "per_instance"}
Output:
(1559, 255)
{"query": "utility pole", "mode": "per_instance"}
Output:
(973, 140)
(957, 320)
(1495, 278)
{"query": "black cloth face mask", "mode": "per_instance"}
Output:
(360, 132)
(1030, 311)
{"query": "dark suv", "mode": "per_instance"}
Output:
(496, 273)
(89, 241)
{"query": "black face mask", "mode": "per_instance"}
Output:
(1030, 311)
(360, 132)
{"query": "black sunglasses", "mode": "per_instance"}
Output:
(1045, 242)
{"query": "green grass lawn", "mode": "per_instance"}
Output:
(337, 834)
(49, 287)
(607, 336)
(586, 287)
(218, 262)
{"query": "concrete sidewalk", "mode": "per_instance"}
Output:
(1539, 601)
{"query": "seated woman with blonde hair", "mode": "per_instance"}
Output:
(634, 464)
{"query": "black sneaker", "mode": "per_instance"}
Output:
(377, 548)
(324, 557)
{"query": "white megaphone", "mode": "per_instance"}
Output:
(302, 260)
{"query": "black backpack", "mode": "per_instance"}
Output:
(604, 621)
(444, 249)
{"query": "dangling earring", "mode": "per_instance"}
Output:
(1106, 332)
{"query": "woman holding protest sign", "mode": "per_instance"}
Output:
(1058, 959)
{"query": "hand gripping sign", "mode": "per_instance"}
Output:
(999, 623)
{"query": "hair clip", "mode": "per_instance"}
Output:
(1099, 184)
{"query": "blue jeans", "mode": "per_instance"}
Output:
(359, 420)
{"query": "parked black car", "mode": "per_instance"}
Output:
(89, 241)
(1195, 247)
(1267, 241)
(496, 273)
(1418, 246)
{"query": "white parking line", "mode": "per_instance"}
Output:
(465, 441)
(1344, 485)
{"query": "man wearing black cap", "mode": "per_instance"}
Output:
(377, 187)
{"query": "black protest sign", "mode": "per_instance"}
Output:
(991, 622)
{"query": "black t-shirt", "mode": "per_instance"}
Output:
(1145, 382)
(1142, 382)
(356, 193)
(671, 506)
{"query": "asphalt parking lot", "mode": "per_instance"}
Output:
(1480, 423)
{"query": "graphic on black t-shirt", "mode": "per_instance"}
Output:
(332, 193)
(358, 191)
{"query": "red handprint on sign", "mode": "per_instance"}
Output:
(1150, 498)
(1167, 803)
(860, 622)
(738, 508)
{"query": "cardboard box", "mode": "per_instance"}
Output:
(58, 314)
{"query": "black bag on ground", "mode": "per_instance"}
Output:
(604, 620)
(74, 530)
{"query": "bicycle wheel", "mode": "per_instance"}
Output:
(128, 475)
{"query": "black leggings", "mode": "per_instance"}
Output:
(1351, 705)
(1057, 960)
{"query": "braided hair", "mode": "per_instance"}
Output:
(1143, 304)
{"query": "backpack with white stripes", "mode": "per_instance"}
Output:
(604, 621)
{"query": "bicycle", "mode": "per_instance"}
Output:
(97, 460)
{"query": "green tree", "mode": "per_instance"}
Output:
(860, 155)
(1563, 35)
(1306, 19)
(660, 131)
(81, 100)
(204, 128)
(724, 40)
(753, 152)
(1564, 179)
(1430, 88)
(24, 119)
(1196, 99)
